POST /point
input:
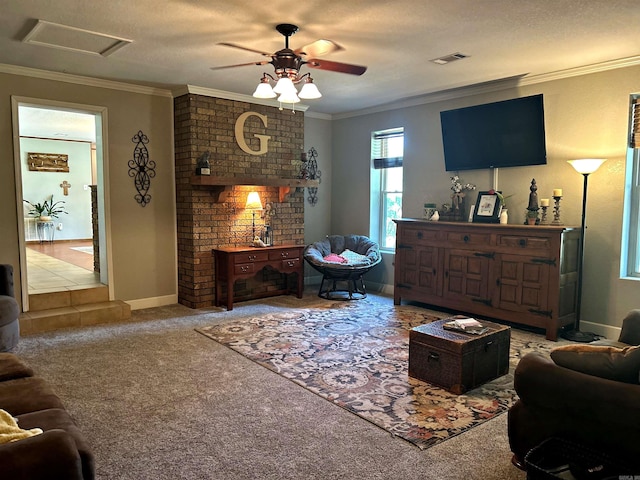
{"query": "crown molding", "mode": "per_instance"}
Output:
(240, 97)
(82, 80)
(318, 115)
(431, 97)
(495, 85)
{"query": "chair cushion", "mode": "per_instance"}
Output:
(620, 364)
(9, 310)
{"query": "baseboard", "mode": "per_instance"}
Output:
(607, 331)
(152, 302)
(382, 288)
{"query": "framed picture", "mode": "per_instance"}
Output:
(487, 209)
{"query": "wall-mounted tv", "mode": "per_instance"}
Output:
(500, 134)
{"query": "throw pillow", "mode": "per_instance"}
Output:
(354, 258)
(334, 258)
(620, 364)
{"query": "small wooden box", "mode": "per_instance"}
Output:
(458, 361)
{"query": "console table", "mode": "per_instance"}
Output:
(233, 263)
(521, 274)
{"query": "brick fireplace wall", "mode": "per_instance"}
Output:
(203, 124)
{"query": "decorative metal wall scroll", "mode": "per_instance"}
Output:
(309, 170)
(141, 169)
(48, 162)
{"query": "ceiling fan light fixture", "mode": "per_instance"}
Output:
(289, 97)
(309, 91)
(264, 90)
(285, 86)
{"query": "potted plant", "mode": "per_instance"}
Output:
(532, 217)
(47, 210)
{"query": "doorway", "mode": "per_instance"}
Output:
(59, 157)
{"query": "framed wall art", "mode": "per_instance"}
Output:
(48, 162)
(487, 209)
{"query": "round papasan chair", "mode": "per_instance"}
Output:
(343, 258)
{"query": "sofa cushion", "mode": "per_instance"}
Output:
(12, 367)
(57, 418)
(29, 394)
(621, 364)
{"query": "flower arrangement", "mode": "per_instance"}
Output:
(501, 197)
(459, 189)
(48, 208)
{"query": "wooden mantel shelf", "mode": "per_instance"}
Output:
(224, 185)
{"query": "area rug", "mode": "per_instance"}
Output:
(355, 355)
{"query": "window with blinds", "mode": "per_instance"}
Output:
(634, 141)
(631, 227)
(387, 151)
(387, 148)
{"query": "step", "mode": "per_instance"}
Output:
(81, 315)
(68, 298)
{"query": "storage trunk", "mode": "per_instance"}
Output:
(458, 361)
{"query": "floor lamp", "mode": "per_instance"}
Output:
(585, 166)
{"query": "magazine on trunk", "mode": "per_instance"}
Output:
(464, 324)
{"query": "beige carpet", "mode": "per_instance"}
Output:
(157, 400)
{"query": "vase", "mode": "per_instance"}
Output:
(531, 221)
(504, 217)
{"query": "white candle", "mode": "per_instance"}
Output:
(544, 202)
(557, 192)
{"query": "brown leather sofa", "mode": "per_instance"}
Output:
(61, 451)
(601, 414)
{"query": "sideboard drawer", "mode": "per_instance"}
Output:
(467, 238)
(284, 254)
(524, 242)
(290, 263)
(244, 268)
(258, 256)
(419, 236)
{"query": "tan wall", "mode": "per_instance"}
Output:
(586, 116)
(143, 238)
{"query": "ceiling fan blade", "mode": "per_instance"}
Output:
(336, 66)
(319, 48)
(233, 45)
(264, 62)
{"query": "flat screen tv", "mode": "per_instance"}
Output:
(500, 134)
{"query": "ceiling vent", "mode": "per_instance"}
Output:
(54, 35)
(449, 58)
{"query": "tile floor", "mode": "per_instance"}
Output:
(46, 273)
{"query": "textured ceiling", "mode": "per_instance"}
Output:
(174, 42)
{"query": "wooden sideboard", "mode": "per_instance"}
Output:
(522, 274)
(233, 263)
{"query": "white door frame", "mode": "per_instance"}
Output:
(102, 161)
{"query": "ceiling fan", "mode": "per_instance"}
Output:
(287, 64)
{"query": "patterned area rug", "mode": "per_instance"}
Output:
(355, 354)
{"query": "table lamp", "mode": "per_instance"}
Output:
(253, 204)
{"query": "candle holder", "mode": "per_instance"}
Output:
(556, 210)
(543, 220)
